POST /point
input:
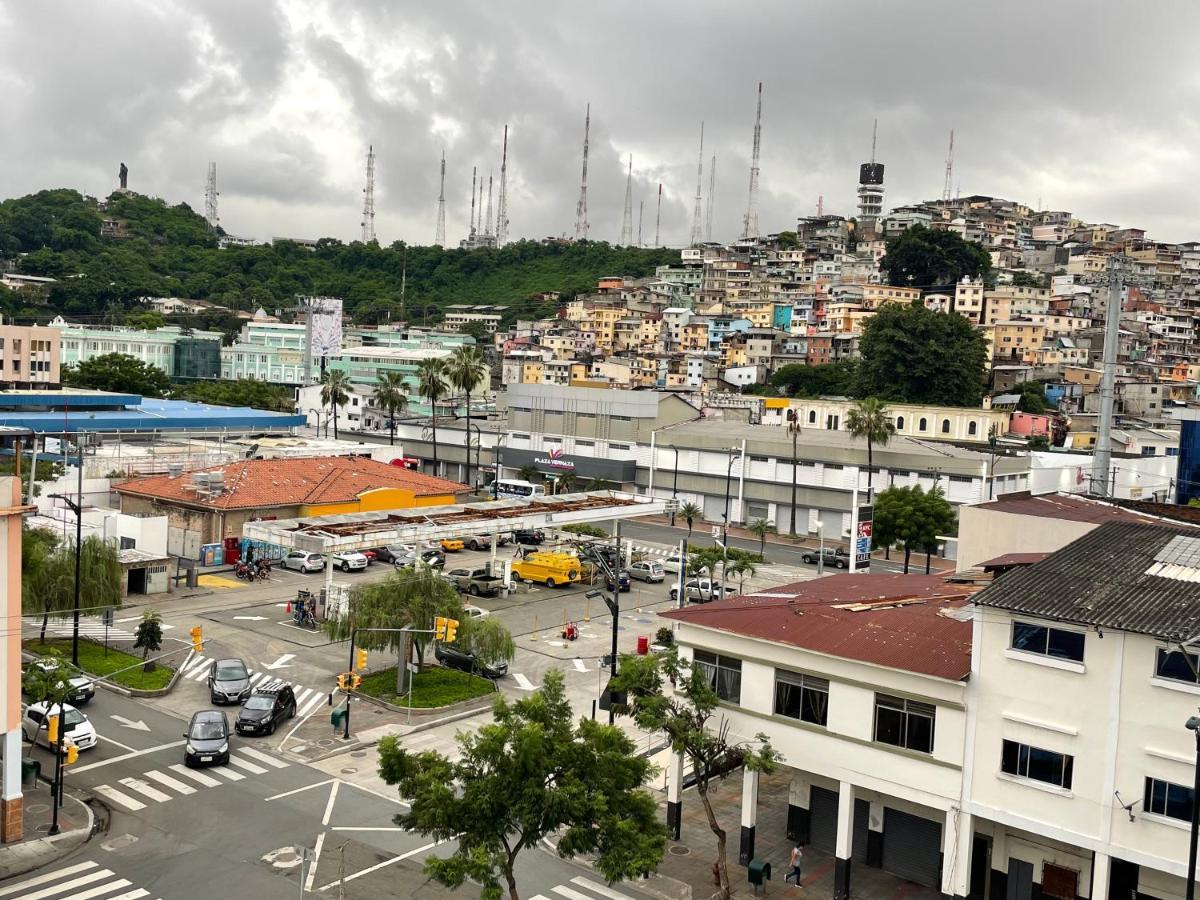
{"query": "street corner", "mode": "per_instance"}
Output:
(319, 737)
(272, 620)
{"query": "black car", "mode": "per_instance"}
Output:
(390, 554)
(228, 681)
(623, 577)
(533, 536)
(265, 709)
(458, 658)
(837, 558)
(207, 739)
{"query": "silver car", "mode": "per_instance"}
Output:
(228, 681)
(304, 561)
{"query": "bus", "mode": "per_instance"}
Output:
(521, 490)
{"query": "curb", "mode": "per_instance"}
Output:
(116, 688)
(87, 832)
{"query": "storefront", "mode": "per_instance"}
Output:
(556, 466)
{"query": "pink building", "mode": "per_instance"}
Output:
(29, 356)
(1030, 425)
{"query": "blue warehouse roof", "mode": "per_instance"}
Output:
(131, 413)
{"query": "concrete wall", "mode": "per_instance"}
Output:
(984, 534)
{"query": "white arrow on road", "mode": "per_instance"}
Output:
(280, 663)
(250, 618)
(139, 725)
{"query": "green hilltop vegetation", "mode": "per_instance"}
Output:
(169, 251)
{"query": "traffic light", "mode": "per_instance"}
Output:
(52, 729)
(439, 628)
(343, 681)
(357, 680)
(72, 754)
(197, 634)
(451, 630)
(360, 659)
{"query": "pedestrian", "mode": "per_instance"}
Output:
(794, 865)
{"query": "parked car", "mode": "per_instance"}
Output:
(349, 561)
(529, 536)
(207, 739)
(548, 568)
(228, 681)
(78, 730)
(392, 553)
(837, 558)
(435, 559)
(484, 541)
(451, 545)
(702, 590)
(475, 612)
(650, 570)
(460, 658)
(81, 688)
(265, 709)
(304, 561)
(371, 555)
(672, 563)
(478, 582)
(622, 577)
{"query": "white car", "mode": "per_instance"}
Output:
(304, 561)
(672, 563)
(81, 689)
(350, 561)
(475, 612)
(79, 730)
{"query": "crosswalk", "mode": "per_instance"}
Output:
(580, 888)
(307, 699)
(86, 880)
(168, 782)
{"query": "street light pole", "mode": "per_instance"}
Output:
(1193, 725)
(78, 552)
(675, 486)
(500, 438)
(734, 454)
(794, 428)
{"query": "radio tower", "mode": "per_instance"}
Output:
(641, 212)
(949, 170)
(471, 232)
(479, 224)
(502, 206)
(820, 205)
(581, 214)
(210, 198)
(712, 193)
(439, 234)
(627, 219)
(750, 229)
(699, 181)
(658, 215)
(368, 219)
(487, 229)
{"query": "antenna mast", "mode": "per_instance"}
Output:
(820, 205)
(641, 212)
(487, 229)
(949, 170)
(750, 229)
(712, 193)
(210, 198)
(874, 133)
(502, 206)
(627, 218)
(471, 233)
(581, 213)
(658, 215)
(439, 234)
(699, 181)
(368, 219)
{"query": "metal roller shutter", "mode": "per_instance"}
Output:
(822, 821)
(912, 847)
(862, 819)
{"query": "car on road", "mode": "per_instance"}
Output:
(435, 559)
(835, 557)
(650, 570)
(484, 541)
(702, 590)
(529, 536)
(265, 709)
(451, 545)
(459, 658)
(304, 561)
(622, 577)
(350, 561)
(228, 681)
(207, 739)
(81, 689)
(672, 563)
(78, 730)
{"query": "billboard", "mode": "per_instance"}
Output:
(326, 313)
(870, 173)
(863, 529)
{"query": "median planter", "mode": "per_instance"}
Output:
(135, 682)
(436, 692)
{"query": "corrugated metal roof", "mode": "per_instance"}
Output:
(1072, 507)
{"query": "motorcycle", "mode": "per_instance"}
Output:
(263, 571)
(243, 570)
(303, 617)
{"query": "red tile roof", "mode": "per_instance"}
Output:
(1071, 507)
(258, 483)
(906, 622)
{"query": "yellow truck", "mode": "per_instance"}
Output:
(549, 568)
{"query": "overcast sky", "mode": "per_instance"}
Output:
(1089, 106)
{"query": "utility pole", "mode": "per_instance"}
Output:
(794, 428)
(581, 210)
(1102, 456)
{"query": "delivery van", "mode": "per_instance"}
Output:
(547, 568)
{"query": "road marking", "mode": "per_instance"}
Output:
(139, 725)
(312, 866)
(139, 786)
(173, 783)
(580, 664)
(250, 618)
(135, 894)
(124, 756)
(569, 893)
(68, 885)
(367, 828)
(42, 879)
(522, 682)
(248, 766)
(262, 757)
(121, 799)
(255, 676)
(302, 694)
(106, 888)
(300, 790)
(378, 866)
(333, 792)
(109, 740)
(313, 703)
(281, 663)
(190, 664)
(601, 889)
(198, 777)
(228, 773)
(198, 675)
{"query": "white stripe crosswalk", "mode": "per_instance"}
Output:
(157, 786)
(307, 698)
(581, 888)
(83, 881)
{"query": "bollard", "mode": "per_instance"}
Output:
(533, 634)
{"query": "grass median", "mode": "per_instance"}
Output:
(434, 687)
(94, 661)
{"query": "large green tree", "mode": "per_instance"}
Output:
(531, 772)
(926, 257)
(831, 379)
(911, 354)
(241, 392)
(913, 518)
(48, 575)
(120, 373)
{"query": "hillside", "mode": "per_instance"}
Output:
(163, 250)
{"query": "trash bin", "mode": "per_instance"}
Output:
(758, 873)
(337, 718)
(30, 769)
(643, 644)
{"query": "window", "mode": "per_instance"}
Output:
(1148, 451)
(1037, 764)
(945, 426)
(801, 697)
(614, 446)
(899, 423)
(1166, 799)
(904, 723)
(1172, 451)
(1047, 641)
(922, 425)
(581, 444)
(1177, 665)
(812, 417)
(724, 674)
(972, 428)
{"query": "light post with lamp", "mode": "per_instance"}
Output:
(734, 454)
(675, 485)
(1193, 725)
(820, 548)
(496, 447)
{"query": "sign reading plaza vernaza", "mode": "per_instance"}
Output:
(555, 462)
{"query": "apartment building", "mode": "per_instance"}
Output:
(180, 352)
(29, 355)
(459, 314)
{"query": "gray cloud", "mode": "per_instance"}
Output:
(1084, 105)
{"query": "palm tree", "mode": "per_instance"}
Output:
(391, 397)
(869, 418)
(529, 472)
(431, 382)
(465, 370)
(760, 528)
(742, 569)
(690, 512)
(335, 392)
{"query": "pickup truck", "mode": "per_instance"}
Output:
(476, 582)
(702, 590)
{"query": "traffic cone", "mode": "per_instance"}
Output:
(289, 606)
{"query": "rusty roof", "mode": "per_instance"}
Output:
(1013, 559)
(1072, 507)
(256, 483)
(916, 623)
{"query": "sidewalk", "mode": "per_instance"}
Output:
(37, 849)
